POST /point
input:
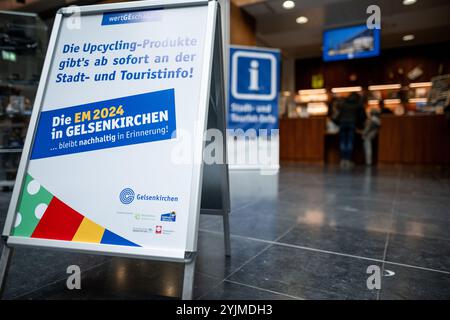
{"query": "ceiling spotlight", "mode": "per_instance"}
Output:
(301, 20)
(408, 37)
(288, 4)
(409, 2)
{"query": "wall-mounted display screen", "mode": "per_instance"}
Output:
(350, 43)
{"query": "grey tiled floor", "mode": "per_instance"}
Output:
(308, 233)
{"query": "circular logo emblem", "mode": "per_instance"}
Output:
(126, 196)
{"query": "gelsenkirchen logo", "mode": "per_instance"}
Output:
(126, 196)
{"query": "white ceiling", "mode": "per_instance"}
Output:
(428, 20)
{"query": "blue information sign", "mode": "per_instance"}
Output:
(254, 88)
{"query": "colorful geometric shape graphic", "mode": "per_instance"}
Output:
(44, 216)
(60, 222)
(89, 231)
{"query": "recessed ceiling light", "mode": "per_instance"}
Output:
(408, 37)
(288, 4)
(409, 2)
(301, 20)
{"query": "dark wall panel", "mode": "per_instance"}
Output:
(432, 59)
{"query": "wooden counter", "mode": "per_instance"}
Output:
(417, 139)
(302, 139)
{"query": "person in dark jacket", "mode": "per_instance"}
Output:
(351, 116)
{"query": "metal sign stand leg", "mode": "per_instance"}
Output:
(188, 278)
(4, 266)
(226, 234)
(215, 184)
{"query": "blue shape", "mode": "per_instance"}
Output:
(137, 16)
(112, 238)
(85, 136)
(126, 196)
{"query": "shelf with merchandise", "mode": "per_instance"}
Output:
(23, 44)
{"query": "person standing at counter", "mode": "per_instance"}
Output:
(351, 116)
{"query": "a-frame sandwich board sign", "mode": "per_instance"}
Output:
(124, 88)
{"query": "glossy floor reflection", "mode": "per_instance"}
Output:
(308, 233)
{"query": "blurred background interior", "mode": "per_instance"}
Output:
(327, 53)
(401, 74)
